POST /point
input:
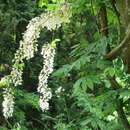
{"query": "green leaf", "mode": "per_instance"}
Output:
(107, 83)
(84, 84)
(77, 87)
(78, 82)
(58, 0)
(125, 95)
(90, 84)
(81, 62)
(64, 71)
(43, 3)
(3, 128)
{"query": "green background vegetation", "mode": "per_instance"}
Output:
(92, 64)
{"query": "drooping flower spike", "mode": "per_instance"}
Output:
(28, 46)
(48, 53)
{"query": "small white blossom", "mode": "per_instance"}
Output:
(5, 80)
(44, 105)
(16, 75)
(59, 91)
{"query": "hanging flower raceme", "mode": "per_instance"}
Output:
(8, 103)
(26, 50)
(48, 53)
(8, 95)
(28, 46)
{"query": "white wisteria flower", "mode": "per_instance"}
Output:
(16, 74)
(8, 96)
(8, 103)
(28, 46)
(48, 52)
(59, 91)
(26, 51)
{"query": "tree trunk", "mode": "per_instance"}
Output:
(119, 104)
(103, 20)
(123, 7)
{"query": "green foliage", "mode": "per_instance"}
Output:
(43, 3)
(25, 98)
(89, 100)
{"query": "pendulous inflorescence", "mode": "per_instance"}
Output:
(28, 47)
(48, 53)
(8, 103)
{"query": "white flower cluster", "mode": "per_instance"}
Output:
(53, 21)
(8, 103)
(48, 52)
(59, 91)
(26, 50)
(50, 20)
(28, 46)
(5, 81)
(16, 75)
